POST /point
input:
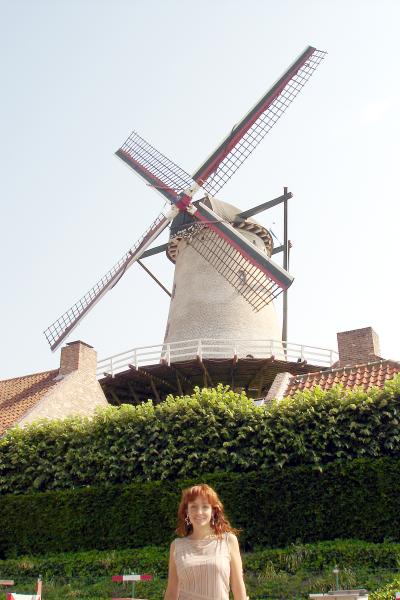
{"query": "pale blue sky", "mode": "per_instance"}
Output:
(78, 76)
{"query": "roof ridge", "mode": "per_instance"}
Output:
(30, 375)
(347, 367)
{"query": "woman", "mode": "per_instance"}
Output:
(205, 560)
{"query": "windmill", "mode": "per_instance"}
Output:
(214, 245)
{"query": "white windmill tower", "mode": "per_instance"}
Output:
(206, 306)
(225, 280)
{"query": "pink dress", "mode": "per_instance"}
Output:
(203, 568)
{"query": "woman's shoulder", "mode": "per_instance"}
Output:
(232, 540)
(177, 541)
(174, 545)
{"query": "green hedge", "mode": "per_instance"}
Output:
(210, 431)
(358, 499)
(93, 563)
(153, 559)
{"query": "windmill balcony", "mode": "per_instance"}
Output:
(208, 348)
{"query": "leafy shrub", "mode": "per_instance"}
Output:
(358, 498)
(388, 591)
(92, 564)
(319, 555)
(212, 430)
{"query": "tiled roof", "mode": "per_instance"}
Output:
(365, 376)
(19, 395)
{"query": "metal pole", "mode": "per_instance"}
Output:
(285, 265)
(336, 573)
(133, 587)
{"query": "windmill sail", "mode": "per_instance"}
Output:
(64, 325)
(245, 137)
(155, 168)
(249, 270)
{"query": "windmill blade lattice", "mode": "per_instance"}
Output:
(245, 137)
(155, 168)
(250, 271)
(64, 325)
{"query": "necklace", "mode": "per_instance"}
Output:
(210, 536)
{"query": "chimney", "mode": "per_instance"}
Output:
(358, 346)
(78, 356)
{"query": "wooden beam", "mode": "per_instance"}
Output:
(265, 206)
(155, 250)
(259, 372)
(178, 382)
(139, 262)
(133, 393)
(235, 361)
(181, 376)
(281, 248)
(155, 391)
(158, 380)
(206, 374)
(278, 249)
(115, 397)
(260, 386)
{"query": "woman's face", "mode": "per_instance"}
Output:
(200, 511)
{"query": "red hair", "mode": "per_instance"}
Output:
(220, 524)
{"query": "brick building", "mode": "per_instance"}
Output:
(72, 389)
(359, 365)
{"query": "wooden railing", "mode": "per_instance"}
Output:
(214, 348)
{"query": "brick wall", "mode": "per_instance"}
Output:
(77, 392)
(358, 346)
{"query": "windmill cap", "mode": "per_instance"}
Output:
(228, 212)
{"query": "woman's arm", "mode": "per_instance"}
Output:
(237, 583)
(171, 592)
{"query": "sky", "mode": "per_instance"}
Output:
(79, 76)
